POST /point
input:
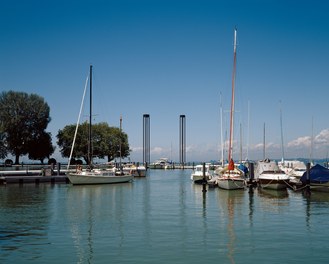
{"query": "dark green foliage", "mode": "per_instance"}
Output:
(23, 120)
(41, 147)
(105, 142)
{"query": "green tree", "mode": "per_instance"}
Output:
(117, 140)
(23, 119)
(3, 149)
(41, 147)
(105, 141)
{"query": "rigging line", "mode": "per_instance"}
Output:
(76, 128)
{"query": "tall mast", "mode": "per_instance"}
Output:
(264, 142)
(248, 130)
(230, 150)
(90, 117)
(221, 130)
(120, 142)
(281, 133)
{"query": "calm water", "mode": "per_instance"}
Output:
(162, 218)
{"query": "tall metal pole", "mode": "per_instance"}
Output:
(221, 130)
(90, 117)
(282, 146)
(182, 139)
(230, 150)
(264, 143)
(146, 139)
(120, 144)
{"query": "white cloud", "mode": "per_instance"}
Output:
(157, 151)
(300, 142)
(299, 147)
(322, 137)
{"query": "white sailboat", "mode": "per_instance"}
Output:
(231, 177)
(93, 175)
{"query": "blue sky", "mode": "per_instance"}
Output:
(168, 58)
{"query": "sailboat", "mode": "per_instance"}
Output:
(231, 177)
(93, 175)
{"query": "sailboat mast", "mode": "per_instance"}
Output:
(230, 150)
(120, 143)
(282, 146)
(90, 117)
(221, 130)
(264, 142)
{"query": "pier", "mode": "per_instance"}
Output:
(33, 179)
(33, 174)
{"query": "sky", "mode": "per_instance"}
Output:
(171, 57)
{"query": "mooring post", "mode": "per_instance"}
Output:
(204, 181)
(308, 181)
(251, 175)
(3, 180)
(58, 168)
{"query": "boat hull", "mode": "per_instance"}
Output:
(200, 178)
(136, 172)
(139, 173)
(320, 187)
(231, 183)
(272, 184)
(156, 166)
(79, 179)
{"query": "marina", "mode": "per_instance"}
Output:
(159, 158)
(160, 218)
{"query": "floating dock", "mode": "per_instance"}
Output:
(32, 176)
(33, 179)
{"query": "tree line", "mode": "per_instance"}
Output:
(23, 122)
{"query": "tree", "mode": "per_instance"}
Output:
(41, 147)
(3, 149)
(116, 140)
(23, 119)
(105, 141)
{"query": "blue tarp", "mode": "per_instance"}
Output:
(243, 168)
(318, 174)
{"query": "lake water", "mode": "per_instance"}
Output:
(162, 218)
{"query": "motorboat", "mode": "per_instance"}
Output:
(318, 177)
(294, 168)
(136, 170)
(161, 163)
(270, 176)
(201, 173)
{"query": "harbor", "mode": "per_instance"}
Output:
(160, 218)
(55, 174)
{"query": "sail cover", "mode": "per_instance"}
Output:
(318, 174)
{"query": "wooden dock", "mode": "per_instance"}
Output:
(33, 179)
(32, 176)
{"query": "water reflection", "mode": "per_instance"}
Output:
(23, 217)
(230, 203)
(273, 195)
(88, 207)
(251, 204)
(315, 202)
(273, 200)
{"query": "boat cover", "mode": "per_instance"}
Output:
(318, 174)
(243, 168)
